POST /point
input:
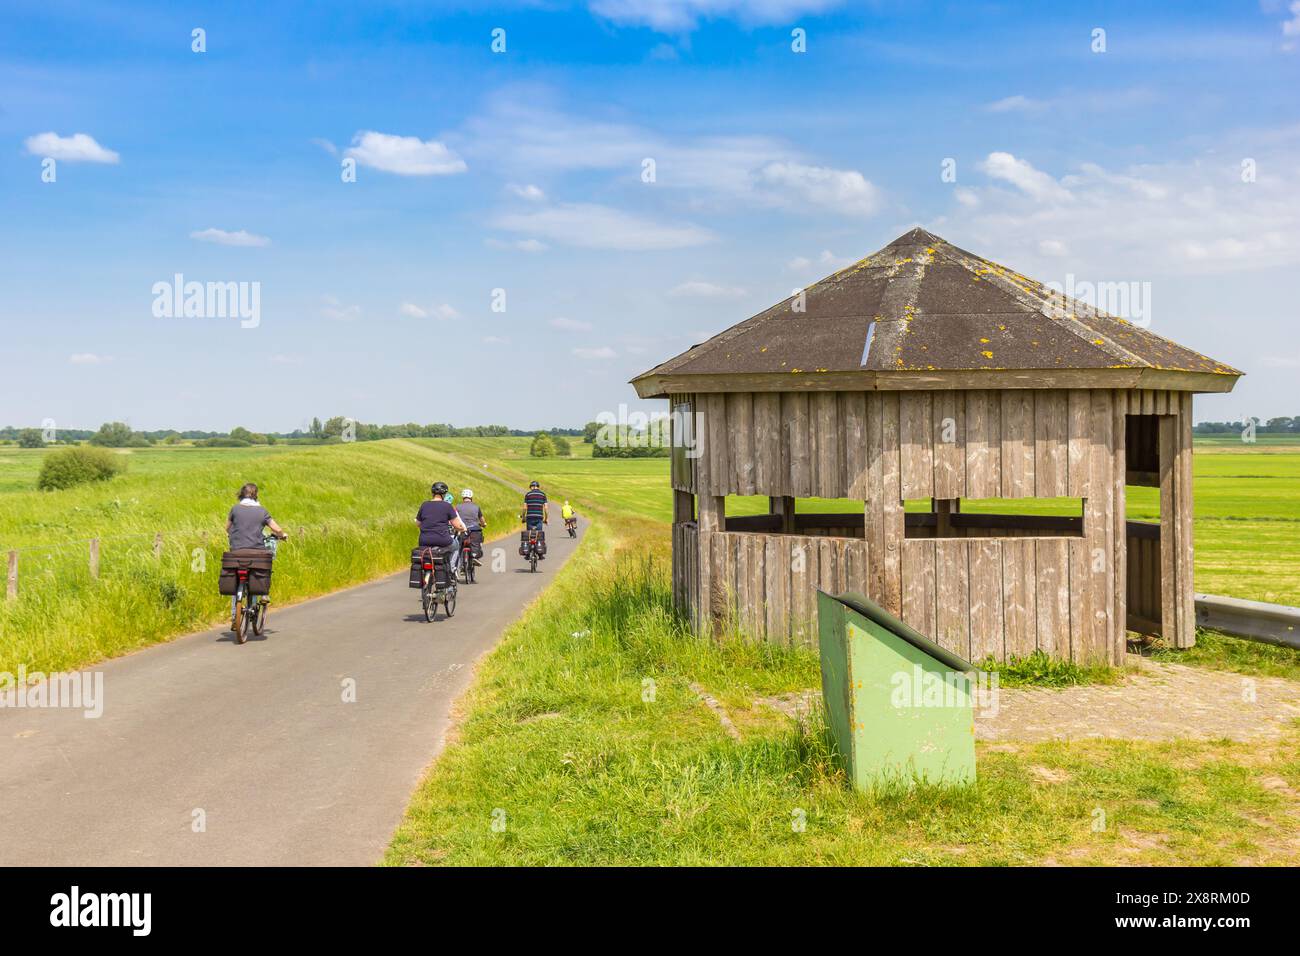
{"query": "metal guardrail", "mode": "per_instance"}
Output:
(1254, 620)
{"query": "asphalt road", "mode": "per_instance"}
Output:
(210, 753)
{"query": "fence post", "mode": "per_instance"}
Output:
(11, 591)
(157, 545)
(94, 557)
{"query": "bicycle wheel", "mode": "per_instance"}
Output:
(532, 561)
(247, 612)
(449, 603)
(469, 569)
(239, 624)
(259, 618)
(430, 608)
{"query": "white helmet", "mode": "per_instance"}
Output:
(467, 493)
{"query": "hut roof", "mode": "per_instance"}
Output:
(922, 313)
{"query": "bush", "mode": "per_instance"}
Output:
(30, 438)
(77, 466)
(562, 446)
(542, 446)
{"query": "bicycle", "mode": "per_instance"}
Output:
(533, 548)
(571, 525)
(433, 592)
(248, 610)
(467, 561)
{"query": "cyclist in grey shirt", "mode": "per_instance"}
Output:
(246, 519)
(475, 523)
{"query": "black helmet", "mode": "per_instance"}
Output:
(533, 484)
(439, 489)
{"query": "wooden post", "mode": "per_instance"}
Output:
(157, 544)
(94, 557)
(11, 592)
(783, 505)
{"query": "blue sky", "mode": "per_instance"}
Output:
(523, 171)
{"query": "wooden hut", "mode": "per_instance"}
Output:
(940, 393)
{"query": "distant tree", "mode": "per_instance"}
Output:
(316, 430)
(333, 427)
(113, 435)
(31, 438)
(562, 446)
(543, 446)
(173, 439)
(589, 432)
(240, 433)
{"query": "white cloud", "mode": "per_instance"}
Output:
(404, 155)
(1022, 175)
(88, 358)
(682, 16)
(521, 245)
(1291, 28)
(411, 310)
(839, 190)
(1187, 217)
(569, 325)
(77, 148)
(336, 310)
(325, 145)
(967, 197)
(595, 355)
(223, 238)
(706, 290)
(1016, 104)
(718, 171)
(495, 340)
(280, 359)
(444, 311)
(530, 192)
(592, 226)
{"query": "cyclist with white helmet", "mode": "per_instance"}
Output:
(475, 521)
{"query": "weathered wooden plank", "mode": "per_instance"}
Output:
(952, 596)
(824, 423)
(873, 523)
(1052, 596)
(776, 562)
(768, 477)
(828, 571)
(1118, 534)
(1019, 596)
(1017, 443)
(1080, 443)
(856, 566)
(919, 585)
(1148, 402)
(795, 450)
(891, 507)
(986, 614)
(949, 439)
(1186, 596)
(1080, 601)
(983, 444)
(853, 444)
(1168, 530)
(740, 436)
(719, 460)
(916, 437)
(1051, 444)
(803, 578)
(1099, 529)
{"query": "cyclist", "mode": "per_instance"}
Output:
(436, 519)
(534, 514)
(244, 527)
(475, 522)
(569, 515)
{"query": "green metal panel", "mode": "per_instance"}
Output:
(898, 705)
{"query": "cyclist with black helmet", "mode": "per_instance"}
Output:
(535, 513)
(437, 518)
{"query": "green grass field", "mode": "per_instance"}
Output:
(583, 743)
(348, 508)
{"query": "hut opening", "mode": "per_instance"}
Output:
(948, 437)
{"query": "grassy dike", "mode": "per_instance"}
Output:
(353, 503)
(556, 734)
